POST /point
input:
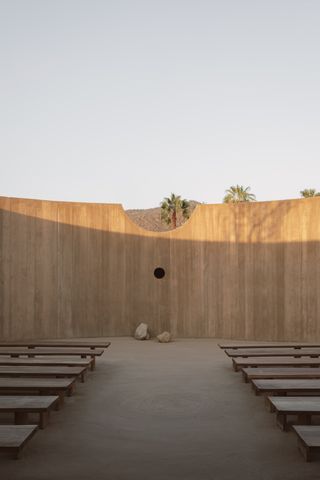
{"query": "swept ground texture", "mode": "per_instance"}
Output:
(162, 412)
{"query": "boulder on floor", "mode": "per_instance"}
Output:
(141, 332)
(164, 337)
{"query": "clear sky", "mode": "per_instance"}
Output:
(126, 101)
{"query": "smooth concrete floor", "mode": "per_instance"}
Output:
(161, 412)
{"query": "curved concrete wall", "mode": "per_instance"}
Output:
(249, 271)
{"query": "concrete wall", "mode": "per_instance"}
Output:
(249, 271)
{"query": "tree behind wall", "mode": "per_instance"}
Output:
(174, 208)
(237, 194)
(309, 193)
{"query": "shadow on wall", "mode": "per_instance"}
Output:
(264, 226)
(61, 280)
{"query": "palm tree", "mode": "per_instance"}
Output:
(237, 194)
(171, 207)
(309, 192)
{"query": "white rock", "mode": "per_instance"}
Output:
(141, 332)
(164, 337)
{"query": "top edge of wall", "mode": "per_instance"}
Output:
(179, 231)
(60, 202)
(3, 197)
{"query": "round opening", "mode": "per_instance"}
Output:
(159, 272)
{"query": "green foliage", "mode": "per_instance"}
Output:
(237, 194)
(172, 207)
(309, 193)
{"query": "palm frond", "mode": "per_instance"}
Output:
(171, 208)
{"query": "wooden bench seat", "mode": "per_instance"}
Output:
(21, 406)
(302, 407)
(51, 351)
(275, 352)
(42, 386)
(13, 438)
(279, 372)
(308, 440)
(239, 363)
(285, 386)
(41, 371)
(227, 346)
(56, 343)
(67, 362)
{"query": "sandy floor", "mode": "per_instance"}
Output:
(161, 412)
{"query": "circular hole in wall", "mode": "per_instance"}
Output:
(159, 272)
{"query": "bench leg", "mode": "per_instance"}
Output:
(70, 390)
(82, 377)
(305, 451)
(256, 391)
(282, 421)
(61, 399)
(245, 378)
(43, 420)
(17, 453)
(269, 405)
(93, 362)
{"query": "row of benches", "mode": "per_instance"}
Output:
(279, 370)
(34, 379)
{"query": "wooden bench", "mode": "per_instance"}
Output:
(278, 372)
(283, 387)
(56, 343)
(85, 362)
(13, 438)
(245, 346)
(302, 407)
(276, 352)
(239, 363)
(42, 386)
(44, 351)
(21, 406)
(308, 440)
(42, 371)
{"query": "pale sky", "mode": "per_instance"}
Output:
(126, 101)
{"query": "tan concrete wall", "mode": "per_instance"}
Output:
(249, 271)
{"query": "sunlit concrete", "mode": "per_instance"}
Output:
(161, 412)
